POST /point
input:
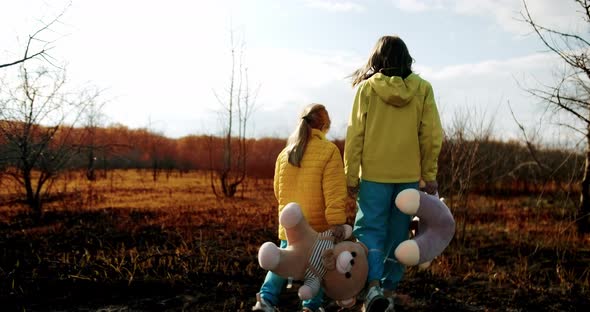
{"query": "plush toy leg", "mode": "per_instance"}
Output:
(408, 252)
(305, 292)
(269, 256)
(310, 287)
(291, 215)
(408, 201)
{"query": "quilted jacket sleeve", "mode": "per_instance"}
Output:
(334, 188)
(276, 177)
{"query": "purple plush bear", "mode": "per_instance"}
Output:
(436, 227)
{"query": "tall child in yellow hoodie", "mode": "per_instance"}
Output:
(393, 141)
(308, 171)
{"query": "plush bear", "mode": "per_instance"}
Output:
(435, 231)
(313, 258)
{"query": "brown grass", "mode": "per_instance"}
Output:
(126, 242)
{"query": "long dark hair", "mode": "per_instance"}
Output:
(390, 56)
(314, 116)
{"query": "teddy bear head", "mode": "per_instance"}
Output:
(347, 270)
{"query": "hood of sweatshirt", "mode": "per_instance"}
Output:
(394, 90)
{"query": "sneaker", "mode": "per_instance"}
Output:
(306, 309)
(262, 305)
(375, 301)
(391, 306)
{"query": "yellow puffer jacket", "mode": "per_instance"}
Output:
(319, 185)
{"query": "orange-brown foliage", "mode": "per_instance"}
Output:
(499, 166)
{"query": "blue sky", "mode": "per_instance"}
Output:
(159, 62)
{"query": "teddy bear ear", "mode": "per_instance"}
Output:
(329, 259)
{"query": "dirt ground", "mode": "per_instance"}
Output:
(175, 247)
(42, 286)
(224, 293)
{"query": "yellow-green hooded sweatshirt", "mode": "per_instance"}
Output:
(394, 134)
(318, 185)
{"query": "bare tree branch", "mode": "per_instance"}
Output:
(555, 97)
(528, 142)
(569, 59)
(571, 128)
(35, 37)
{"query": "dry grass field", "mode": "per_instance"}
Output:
(127, 243)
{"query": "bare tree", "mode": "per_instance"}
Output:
(570, 96)
(40, 52)
(38, 118)
(154, 144)
(93, 120)
(237, 103)
(464, 166)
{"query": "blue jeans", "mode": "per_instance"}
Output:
(273, 284)
(381, 226)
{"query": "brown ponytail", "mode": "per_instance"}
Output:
(314, 116)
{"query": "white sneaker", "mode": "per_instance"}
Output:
(391, 306)
(375, 301)
(306, 309)
(262, 305)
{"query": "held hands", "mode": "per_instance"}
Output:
(353, 191)
(430, 187)
(339, 233)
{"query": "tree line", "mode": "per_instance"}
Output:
(482, 164)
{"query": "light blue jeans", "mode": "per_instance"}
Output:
(381, 226)
(273, 285)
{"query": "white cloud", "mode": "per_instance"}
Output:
(560, 15)
(319, 76)
(487, 87)
(291, 79)
(417, 5)
(487, 68)
(336, 5)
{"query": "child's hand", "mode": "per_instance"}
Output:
(353, 191)
(430, 187)
(339, 233)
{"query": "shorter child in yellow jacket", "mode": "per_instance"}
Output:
(308, 171)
